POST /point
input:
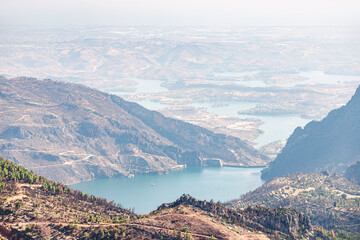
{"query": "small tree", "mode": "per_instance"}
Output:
(18, 205)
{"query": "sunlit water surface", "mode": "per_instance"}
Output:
(146, 192)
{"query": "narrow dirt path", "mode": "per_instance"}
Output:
(98, 225)
(163, 228)
(19, 196)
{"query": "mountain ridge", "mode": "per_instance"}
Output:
(73, 133)
(330, 144)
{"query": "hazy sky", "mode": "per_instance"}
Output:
(181, 12)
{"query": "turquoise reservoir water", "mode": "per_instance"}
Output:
(146, 192)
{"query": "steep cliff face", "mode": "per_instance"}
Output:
(353, 173)
(331, 144)
(71, 133)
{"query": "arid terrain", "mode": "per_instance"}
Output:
(72, 133)
(330, 200)
(32, 207)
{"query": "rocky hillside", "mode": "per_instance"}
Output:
(353, 173)
(330, 200)
(72, 133)
(331, 144)
(32, 207)
(277, 222)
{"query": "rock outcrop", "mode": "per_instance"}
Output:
(329, 200)
(353, 173)
(288, 222)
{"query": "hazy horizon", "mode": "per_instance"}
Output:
(181, 13)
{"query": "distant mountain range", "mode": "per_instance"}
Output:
(71, 133)
(331, 144)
